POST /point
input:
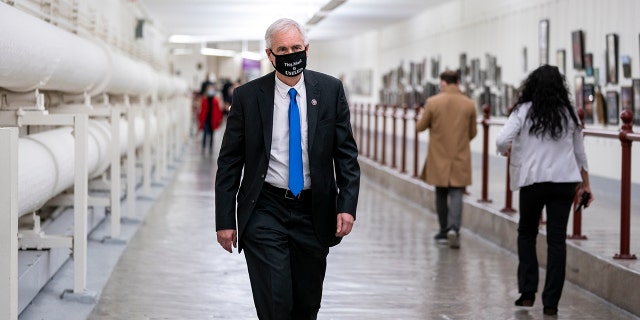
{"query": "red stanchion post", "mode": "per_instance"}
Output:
(577, 222)
(403, 168)
(416, 143)
(376, 115)
(369, 130)
(361, 129)
(486, 109)
(625, 187)
(509, 194)
(384, 135)
(356, 126)
(394, 142)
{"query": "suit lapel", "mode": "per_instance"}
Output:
(313, 104)
(265, 107)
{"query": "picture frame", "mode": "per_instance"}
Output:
(543, 41)
(579, 92)
(492, 64)
(510, 94)
(463, 65)
(613, 113)
(483, 78)
(435, 67)
(561, 60)
(475, 72)
(612, 58)
(625, 60)
(498, 76)
(588, 64)
(626, 98)
(635, 83)
(577, 49)
(588, 96)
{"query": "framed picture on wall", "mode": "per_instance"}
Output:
(578, 92)
(475, 72)
(625, 60)
(588, 96)
(561, 60)
(543, 41)
(492, 64)
(612, 58)
(435, 67)
(577, 49)
(588, 64)
(613, 113)
(626, 98)
(635, 83)
(463, 65)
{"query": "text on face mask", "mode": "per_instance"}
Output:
(292, 64)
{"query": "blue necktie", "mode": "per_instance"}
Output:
(296, 179)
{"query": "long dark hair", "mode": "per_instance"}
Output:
(545, 88)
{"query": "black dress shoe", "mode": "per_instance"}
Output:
(550, 311)
(526, 300)
(441, 237)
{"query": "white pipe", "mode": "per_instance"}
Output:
(36, 54)
(47, 163)
(45, 167)
(129, 77)
(138, 127)
(100, 134)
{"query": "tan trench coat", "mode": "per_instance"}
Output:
(451, 119)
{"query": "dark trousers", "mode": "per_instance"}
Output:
(286, 261)
(207, 132)
(557, 198)
(449, 207)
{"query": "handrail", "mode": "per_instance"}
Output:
(401, 114)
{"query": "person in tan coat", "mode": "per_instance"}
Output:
(451, 119)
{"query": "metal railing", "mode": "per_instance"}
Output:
(367, 134)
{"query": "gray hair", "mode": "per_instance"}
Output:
(284, 25)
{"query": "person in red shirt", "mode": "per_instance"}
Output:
(210, 117)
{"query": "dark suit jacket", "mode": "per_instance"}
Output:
(333, 163)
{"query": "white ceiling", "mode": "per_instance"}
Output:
(247, 20)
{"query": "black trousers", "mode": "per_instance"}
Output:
(285, 259)
(207, 132)
(557, 198)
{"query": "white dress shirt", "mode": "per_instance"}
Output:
(541, 159)
(278, 173)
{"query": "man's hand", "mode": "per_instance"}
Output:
(226, 238)
(345, 224)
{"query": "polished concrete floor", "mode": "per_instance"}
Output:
(388, 268)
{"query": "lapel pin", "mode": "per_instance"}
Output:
(314, 102)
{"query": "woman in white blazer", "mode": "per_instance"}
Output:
(548, 165)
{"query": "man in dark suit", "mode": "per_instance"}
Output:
(289, 158)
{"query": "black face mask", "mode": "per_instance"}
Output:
(291, 64)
